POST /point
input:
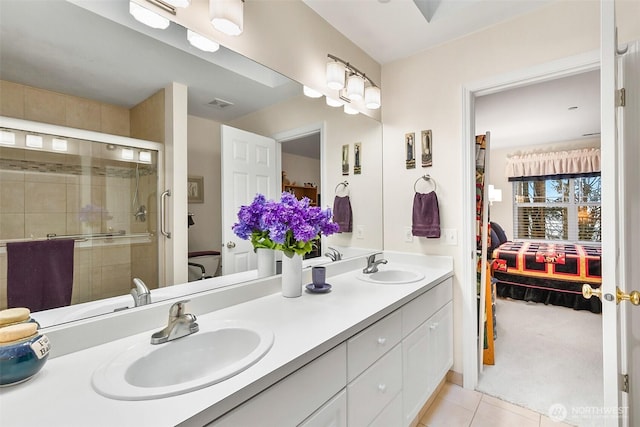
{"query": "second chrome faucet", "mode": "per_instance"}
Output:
(372, 263)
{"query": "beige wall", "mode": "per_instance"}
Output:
(39, 105)
(340, 128)
(556, 31)
(502, 212)
(301, 169)
(204, 160)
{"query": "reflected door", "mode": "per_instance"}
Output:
(248, 168)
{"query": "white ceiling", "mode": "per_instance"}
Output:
(389, 30)
(121, 64)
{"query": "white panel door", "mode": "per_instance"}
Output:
(620, 180)
(248, 168)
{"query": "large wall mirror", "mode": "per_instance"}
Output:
(73, 68)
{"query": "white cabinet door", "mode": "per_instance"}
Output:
(440, 352)
(331, 414)
(415, 372)
(427, 355)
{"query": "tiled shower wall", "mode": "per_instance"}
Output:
(43, 193)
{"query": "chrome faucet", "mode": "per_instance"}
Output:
(335, 255)
(140, 294)
(372, 263)
(180, 325)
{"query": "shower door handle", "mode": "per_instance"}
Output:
(163, 216)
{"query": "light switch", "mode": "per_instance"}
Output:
(449, 236)
(359, 231)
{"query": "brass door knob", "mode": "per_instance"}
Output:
(633, 297)
(588, 291)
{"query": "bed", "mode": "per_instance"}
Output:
(551, 273)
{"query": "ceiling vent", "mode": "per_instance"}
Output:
(220, 103)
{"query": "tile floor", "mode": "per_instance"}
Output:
(455, 406)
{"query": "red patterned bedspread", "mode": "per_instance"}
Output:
(555, 261)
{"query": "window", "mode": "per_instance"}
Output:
(558, 209)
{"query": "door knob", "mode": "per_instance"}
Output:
(588, 291)
(633, 297)
(231, 245)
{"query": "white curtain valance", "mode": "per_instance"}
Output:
(581, 161)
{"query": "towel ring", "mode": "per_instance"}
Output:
(426, 178)
(344, 184)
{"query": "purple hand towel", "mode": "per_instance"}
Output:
(40, 274)
(426, 216)
(342, 214)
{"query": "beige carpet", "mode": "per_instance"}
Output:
(547, 356)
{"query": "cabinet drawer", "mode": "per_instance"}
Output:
(420, 309)
(366, 347)
(392, 414)
(372, 391)
(331, 414)
(283, 404)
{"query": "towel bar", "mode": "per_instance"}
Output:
(345, 184)
(426, 178)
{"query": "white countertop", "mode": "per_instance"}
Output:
(61, 393)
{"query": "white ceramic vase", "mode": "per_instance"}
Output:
(266, 262)
(291, 276)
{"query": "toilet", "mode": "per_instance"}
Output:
(207, 260)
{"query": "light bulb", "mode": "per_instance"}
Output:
(355, 87)
(372, 97)
(335, 75)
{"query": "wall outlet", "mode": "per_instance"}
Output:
(408, 236)
(449, 236)
(359, 231)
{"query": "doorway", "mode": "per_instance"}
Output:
(301, 168)
(471, 92)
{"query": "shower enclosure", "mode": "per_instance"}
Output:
(100, 190)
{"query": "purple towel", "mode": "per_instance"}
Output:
(342, 214)
(40, 274)
(426, 216)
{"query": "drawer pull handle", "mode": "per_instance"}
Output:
(382, 388)
(382, 340)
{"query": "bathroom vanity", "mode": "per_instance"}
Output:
(363, 354)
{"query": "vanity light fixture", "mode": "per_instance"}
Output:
(350, 110)
(334, 103)
(335, 75)
(7, 138)
(227, 16)
(145, 156)
(148, 17)
(311, 93)
(34, 141)
(352, 84)
(355, 87)
(202, 42)
(126, 154)
(372, 97)
(59, 144)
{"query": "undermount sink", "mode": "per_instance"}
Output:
(217, 352)
(391, 276)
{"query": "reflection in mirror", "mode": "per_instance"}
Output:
(72, 67)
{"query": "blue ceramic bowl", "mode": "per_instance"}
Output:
(22, 359)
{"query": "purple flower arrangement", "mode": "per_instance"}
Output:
(289, 225)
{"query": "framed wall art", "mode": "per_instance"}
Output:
(345, 159)
(410, 147)
(195, 189)
(357, 153)
(427, 148)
